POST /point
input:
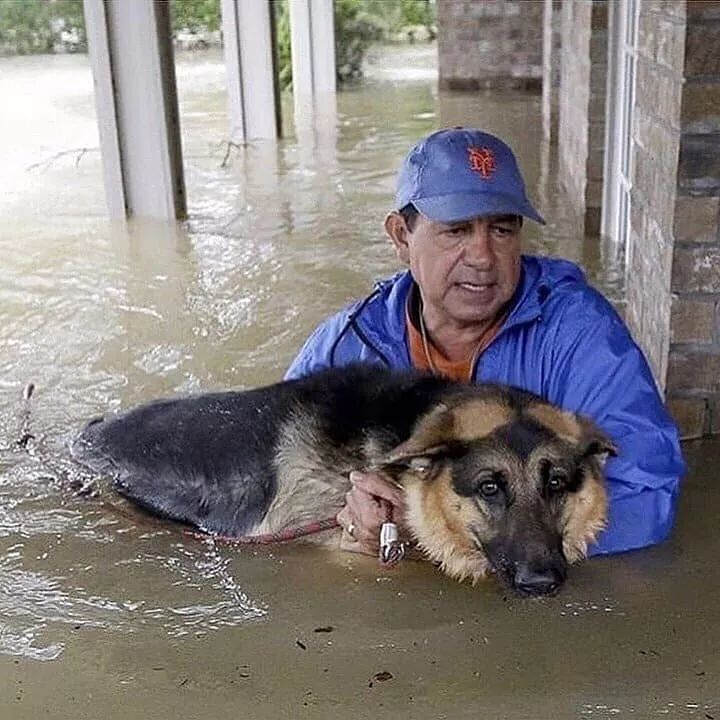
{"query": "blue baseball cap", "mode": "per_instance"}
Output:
(461, 173)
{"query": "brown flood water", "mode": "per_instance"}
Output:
(110, 615)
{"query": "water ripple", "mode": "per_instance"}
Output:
(31, 602)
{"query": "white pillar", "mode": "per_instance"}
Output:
(323, 39)
(551, 67)
(249, 60)
(131, 54)
(312, 30)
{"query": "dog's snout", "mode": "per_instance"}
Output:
(534, 581)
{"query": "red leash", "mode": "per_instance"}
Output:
(270, 538)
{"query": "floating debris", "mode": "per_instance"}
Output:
(382, 676)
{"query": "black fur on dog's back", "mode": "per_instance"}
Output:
(210, 460)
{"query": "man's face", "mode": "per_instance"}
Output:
(466, 271)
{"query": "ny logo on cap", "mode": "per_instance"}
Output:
(482, 160)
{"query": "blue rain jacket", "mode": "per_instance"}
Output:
(565, 342)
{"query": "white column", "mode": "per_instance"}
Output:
(323, 39)
(551, 67)
(249, 61)
(312, 30)
(136, 100)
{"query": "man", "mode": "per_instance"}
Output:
(472, 307)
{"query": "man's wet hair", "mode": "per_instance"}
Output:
(410, 214)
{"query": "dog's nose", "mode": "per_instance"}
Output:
(535, 581)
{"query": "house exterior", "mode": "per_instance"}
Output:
(631, 99)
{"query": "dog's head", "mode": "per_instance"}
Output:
(501, 481)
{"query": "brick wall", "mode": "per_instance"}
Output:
(693, 382)
(656, 141)
(489, 44)
(581, 129)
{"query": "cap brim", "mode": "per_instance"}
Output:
(463, 206)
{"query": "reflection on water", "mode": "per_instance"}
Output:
(101, 317)
(67, 560)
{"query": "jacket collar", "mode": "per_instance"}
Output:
(527, 300)
(382, 318)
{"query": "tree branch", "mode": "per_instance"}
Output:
(49, 161)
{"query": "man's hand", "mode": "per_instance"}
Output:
(371, 501)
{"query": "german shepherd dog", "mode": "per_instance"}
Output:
(496, 479)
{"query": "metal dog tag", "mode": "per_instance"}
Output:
(392, 551)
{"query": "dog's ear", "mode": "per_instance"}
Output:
(417, 461)
(594, 442)
(430, 441)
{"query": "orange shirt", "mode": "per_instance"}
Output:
(454, 369)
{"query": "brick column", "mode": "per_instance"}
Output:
(581, 131)
(656, 141)
(489, 44)
(694, 364)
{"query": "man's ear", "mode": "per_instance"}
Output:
(397, 231)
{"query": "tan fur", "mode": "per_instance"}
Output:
(299, 457)
(563, 424)
(440, 520)
(431, 432)
(585, 517)
(469, 420)
(479, 418)
(585, 512)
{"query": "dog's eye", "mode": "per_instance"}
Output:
(420, 464)
(489, 488)
(556, 482)
(488, 483)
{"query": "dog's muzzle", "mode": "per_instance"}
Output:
(534, 580)
(535, 574)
